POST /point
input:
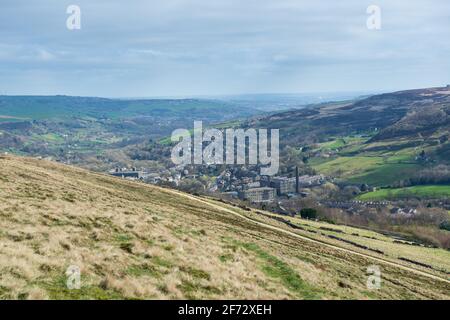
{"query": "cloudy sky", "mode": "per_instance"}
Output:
(144, 48)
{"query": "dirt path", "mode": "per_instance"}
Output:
(296, 235)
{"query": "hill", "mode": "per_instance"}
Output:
(132, 240)
(82, 129)
(394, 112)
(380, 140)
(20, 108)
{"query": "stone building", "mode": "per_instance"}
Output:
(258, 195)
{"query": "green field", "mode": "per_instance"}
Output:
(342, 142)
(385, 174)
(381, 164)
(433, 191)
(377, 170)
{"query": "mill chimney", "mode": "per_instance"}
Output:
(297, 184)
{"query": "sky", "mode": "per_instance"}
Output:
(147, 48)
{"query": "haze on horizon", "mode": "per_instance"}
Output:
(195, 47)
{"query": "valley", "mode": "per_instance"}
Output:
(374, 189)
(225, 159)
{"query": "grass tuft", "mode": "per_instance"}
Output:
(275, 268)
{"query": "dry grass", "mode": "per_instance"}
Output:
(134, 241)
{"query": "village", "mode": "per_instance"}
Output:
(246, 185)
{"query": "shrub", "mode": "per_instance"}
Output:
(445, 225)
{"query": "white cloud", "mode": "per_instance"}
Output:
(225, 46)
(44, 55)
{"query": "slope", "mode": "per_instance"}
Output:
(132, 240)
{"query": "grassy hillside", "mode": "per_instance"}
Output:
(377, 164)
(138, 241)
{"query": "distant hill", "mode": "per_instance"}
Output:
(280, 102)
(426, 113)
(383, 112)
(21, 108)
(131, 240)
(76, 128)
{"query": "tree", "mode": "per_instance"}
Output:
(364, 187)
(308, 213)
(423, 155)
